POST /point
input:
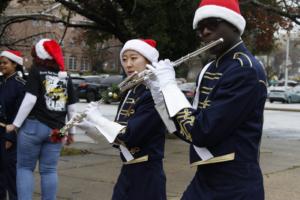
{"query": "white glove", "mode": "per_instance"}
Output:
(173, 96)
(87, 126)
(164, 72)
(158, 98)
(152, 83)
(107, 128)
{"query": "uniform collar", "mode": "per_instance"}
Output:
(230, 51)
(10, 76)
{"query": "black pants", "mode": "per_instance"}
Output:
(8, 172)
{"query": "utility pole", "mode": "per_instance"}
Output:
(287, 60)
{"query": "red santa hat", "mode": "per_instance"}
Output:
(146, 47)
(228, 10)
(13, 55)
(50, 49)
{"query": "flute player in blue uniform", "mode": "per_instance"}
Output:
(12, 91)
(138, 130)
(224, 124)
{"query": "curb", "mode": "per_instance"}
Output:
(284, 109)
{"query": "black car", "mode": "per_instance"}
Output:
(86, 89)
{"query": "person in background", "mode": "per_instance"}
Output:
(12, 90)
(224, 124)
(48, 99)
(138, 130)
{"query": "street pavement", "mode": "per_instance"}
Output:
(92, 174)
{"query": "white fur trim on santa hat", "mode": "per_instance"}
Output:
(41, 51)
(221, 12)
(141, 47)
(13, 57)
(62, 74)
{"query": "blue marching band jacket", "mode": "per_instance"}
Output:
(225, 127)
(12, 90)
(144, 135)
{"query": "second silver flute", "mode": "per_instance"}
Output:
(78, 118)
(137, 78)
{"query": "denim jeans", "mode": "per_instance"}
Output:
(34, 145)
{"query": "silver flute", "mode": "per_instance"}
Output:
(76, 119)
(137, 78)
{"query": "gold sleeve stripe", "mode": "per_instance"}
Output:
(206, 88)
(204, 92)
(211, 78)
(213, 74)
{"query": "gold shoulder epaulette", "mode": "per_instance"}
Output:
(20, 79)
(243, 59)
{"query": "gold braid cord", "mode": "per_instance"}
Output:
(185, 120)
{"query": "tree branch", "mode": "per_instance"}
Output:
(294, 16)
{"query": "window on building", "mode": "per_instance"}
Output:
(48, 24)
(72, 63)
(71, 43)
(84, 66)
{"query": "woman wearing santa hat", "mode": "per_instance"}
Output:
(224, 124)
(12, 90)
(49, 98)
(137, 131)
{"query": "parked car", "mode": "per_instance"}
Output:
(111, 80)
(277, 94)
(188, 89)
(86, 89)
(96, 78)
(293, 95)
(285, 95)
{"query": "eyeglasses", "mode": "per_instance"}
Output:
(209, 23)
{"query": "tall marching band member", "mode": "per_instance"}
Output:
(224, 124)
(48, 99)
(12, 90)
(138, 130)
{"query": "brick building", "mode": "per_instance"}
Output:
(79, 56)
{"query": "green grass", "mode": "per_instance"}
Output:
(69, 151)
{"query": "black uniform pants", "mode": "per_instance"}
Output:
(141, 181)
(8, 160)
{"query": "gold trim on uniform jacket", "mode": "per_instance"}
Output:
(137, 160)
(218, 159)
